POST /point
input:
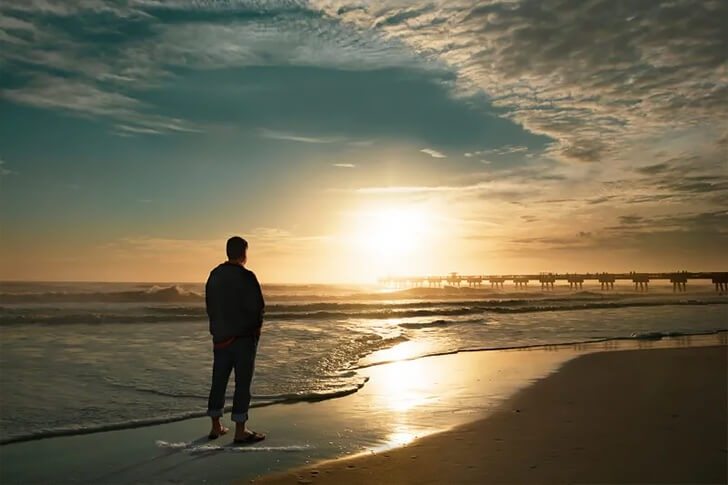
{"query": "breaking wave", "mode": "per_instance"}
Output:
(194, 447)
(634, 336)
(440, 323)
(174, 293)
(139, 423)
(369, 311)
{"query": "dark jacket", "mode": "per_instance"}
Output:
(234, 302)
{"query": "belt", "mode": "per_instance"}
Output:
(224, 343)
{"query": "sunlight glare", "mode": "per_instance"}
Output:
(394, 231)
(394, 237)
(406, 386)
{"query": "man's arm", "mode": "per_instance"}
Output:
(261, 303)
(259, 296)
(254, 303)
(208, 298)
(211, 302)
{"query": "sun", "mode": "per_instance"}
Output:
(395, 231)
(393, 235)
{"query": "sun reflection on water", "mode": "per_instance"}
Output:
(402, 351)
(405, 384)
(404, 389)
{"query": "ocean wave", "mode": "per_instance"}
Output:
(654, 335)
(313, 396)
(17, 316)
(97, 428)
(172, 293)
(195, 447)
(634, 336)
(92, 318)
(439, 323)
(258, 400)
(374, 314)
(604, 305)
(336, 299)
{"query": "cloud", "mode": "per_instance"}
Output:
(656, 238)
(48, 91)
(5, 171)
(504, 150)
(87, 99)
(593, 76)
(504, 185)
(96, 58)
(652, 169)
(344, 165)
(631, 219)
(278, 135)
(433, 153)
(689, 179)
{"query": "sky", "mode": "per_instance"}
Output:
(350, 140)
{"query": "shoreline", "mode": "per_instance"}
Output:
(613, 343)
(636, 416)
(297, 433)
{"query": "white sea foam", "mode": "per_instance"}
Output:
(192, 447)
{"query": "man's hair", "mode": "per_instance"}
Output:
(236, 247)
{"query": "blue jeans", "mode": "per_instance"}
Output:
(240, 355)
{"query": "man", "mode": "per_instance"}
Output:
(235, 307)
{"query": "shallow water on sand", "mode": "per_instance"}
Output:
(402, 401)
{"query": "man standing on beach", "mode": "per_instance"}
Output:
(235, 307)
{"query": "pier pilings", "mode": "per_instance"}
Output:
(721, 282)
(496, 282)
(576, 281)
(547, 281)
(679, 282)
(521, 282)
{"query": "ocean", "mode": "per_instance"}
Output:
(83, 357)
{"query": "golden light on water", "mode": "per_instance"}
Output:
(403, 435)
(406, 385)
(402, 351)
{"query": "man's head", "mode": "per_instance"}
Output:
(237, 249)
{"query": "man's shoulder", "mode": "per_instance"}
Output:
(217, 269)
(248, 273)
(226, 270)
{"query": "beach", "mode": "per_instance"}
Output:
(107, 383)
(640, 416)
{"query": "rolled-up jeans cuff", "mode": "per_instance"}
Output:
(214, 413)
(239, 417)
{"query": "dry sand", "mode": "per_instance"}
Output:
(642, 416)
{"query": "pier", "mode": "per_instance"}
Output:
(641, 281)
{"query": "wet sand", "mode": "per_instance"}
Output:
(637, 416)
